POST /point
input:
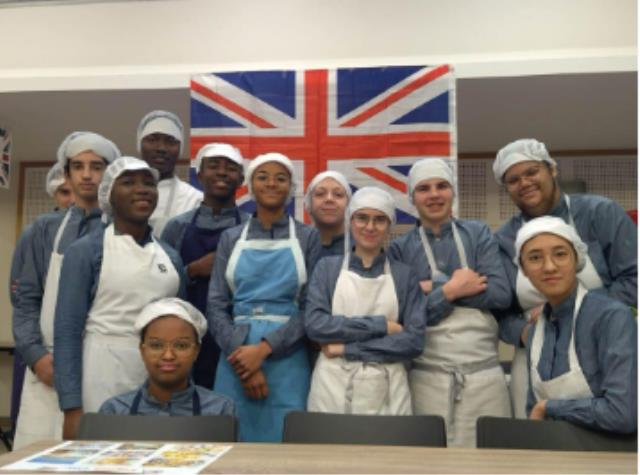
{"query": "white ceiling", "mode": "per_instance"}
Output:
(567, 112)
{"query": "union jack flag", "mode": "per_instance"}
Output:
(371, 123)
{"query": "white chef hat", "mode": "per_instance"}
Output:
(551, 225)
(271, 157)
(55, 178)
(375, 198)
(337, 176)
(175, 307)
(112, 172)
(162, 122)
(522, 150)
(81, 141)
(428, 168)
(217, 150)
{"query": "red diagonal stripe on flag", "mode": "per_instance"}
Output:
(241, 191)
(384, 178)
(396, 96)
(232, 106)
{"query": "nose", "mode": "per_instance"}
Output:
(168, 353)
(548, 265)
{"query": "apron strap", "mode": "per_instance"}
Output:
(136, 403)
(195, 404)
(567, 200)
(196, 409)
(462, 255)
(63, 225)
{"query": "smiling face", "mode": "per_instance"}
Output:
(369, 228)
(328, 203)
(433, 198)
(85, 172)
(271, 183)
(549, 262)
(134, 196)
(169, 349)
(161, 152)
(220, 177)
(532, 187)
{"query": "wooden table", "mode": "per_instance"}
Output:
(290, 458)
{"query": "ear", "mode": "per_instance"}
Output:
(553, 170)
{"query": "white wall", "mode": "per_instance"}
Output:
(159, 43)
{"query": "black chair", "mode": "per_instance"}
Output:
(507, 433)
(324, 428)
(160, 428)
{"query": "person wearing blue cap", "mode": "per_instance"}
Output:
(256, 305)
(196, 233)
(160, 140)
(582, 352)
(84, 157)
(529, 175)
(109, 276)
(171, 332)
(458, 375)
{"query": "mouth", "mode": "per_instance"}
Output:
(529, 192)
(167, 367)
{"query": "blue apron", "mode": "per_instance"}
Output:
(266, 276)
(198, 242)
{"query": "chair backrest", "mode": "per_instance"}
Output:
(507, 433)
(324, 428)
(161, 428)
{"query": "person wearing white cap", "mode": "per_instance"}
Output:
(171, 332)
(195, 235)
(256, 303)
(457, 262)
(58, 188)
(84, 157)
(582, 352)
(529, 175)
(109, 276)
(160, 139)
(367, 312)
(326, 200)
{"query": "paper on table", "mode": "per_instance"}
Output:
(123, 457)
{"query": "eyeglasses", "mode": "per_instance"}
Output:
(535, 260)
(514, 180)
(363, 220)
(159, 347)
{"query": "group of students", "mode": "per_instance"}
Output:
(145, 294)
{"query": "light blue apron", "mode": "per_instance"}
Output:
(265, 276)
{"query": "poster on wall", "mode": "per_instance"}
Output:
(5, 158)
(369, 123)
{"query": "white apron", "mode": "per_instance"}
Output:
(40, 417)
(131, 276)
(458, 375)
(529, 298)
(355, 387)
(570, 385)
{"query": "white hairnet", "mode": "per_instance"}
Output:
(160, 122)
(81, 141)
(55, 178)
(551, 225)
(337, 176)
(374, 198)
(217, 150)
(522, 150)
(175, 307)
(271, 157)
(429, 168)
(112, 172)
